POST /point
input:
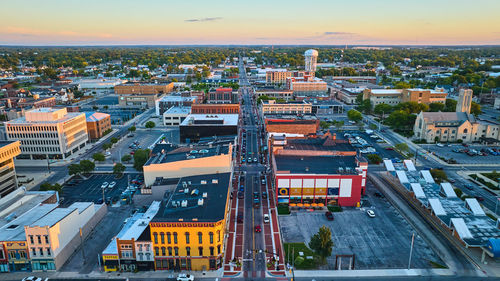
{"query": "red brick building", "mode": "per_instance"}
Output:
(292, 126)
(222, 95)
(227, 108)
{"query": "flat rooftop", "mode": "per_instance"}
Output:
(200, 198)
(14, 230)
(316, 164)
(176, 98)
(178, 110)
(60, 213)
(68, 116)
(167, 153)
(319, 144)
(211, 120)
(20, 201)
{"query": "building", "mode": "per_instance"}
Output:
(222, 95)
(8, 181)
(98, 124)
(170, 161)
(310, 59)
(37, 102)
(53, 238)
(277, 76)
(274, 93)
(198, 126)
(397, 96)
(326, 107)
(164, 103)
(48, 133)
(125, 252)
(308, 86)
(456, 126)
(271, 107)
(357, 79)
(175, 115)
(301, 126)
(226, 108)
(188, 231)
(317, 171)
(17, 209)
(132, 88)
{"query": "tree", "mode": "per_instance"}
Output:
(113, 140)
(106, 107)
(450, 105)
(359, 98)
(322, 243)
(354, 115)
(47, 186)
(402, 147)
(374, 158)
(372, 126)
(382, 108)
(439, 175)
(74, 169)
(401, 121)
(126, 158)
(436, 107)
(118, 169)
(87, 166)
(324, 125)
(95, 107)
(131, 129)
(107, 146)
(412, 107)
(98, 157)
(140, 158)
(475, 108)
(150, 125)
(365, 106)
(338, 124)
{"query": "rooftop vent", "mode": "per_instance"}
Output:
(203, 182)
(200, 202)
(205, 195)
(307, 169)
(184, 203)
(195, 192)
(215, 181)
(341, 170)
(184, 184)
(181, 219)
(186, 190)
(189, 182)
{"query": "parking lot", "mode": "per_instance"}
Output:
(462, 157)
(380, 242)
(90, 190)
(380, 147)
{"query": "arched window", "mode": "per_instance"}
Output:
(155, 236)
(200, 237)
(169, 238)
(162, 237)
(218, 249)
(211, 235)
(218, 235)
(163, 251)
(465, 131)
(200, 250)
(175, 237)
(211, 251)
(157, 251)
(187, 237)
(188, 251)
(169, 251)
(176, 251)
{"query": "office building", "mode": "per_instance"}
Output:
(292, 125)
(166, 102)
(307, 86)
(222, 95)
(317, 171)
(226, 108)
(199, 126)
(272, 107)
(277, 76)
(97, 124)
(8, 181)
(175, 115)
(48, 133)
(141, 94)
(274, 93)
(310, 59)
(397, 96)
(188, 231)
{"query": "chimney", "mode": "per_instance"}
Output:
(334, 137)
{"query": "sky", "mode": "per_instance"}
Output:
(250, 22)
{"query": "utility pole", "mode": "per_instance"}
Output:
(48, 164)
(411, 249)
(81, 244)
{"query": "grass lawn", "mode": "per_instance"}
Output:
(492, 176)
(295, 248)
(283, 210)
(334, 208)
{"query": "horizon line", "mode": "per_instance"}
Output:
(256, 45)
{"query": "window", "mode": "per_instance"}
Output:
(187, 237)
(200, 250)
(162, 237)
(22, 254)
(31, 239)
(163, 251)
(169, 239)
(33, 251)
(140, 248)
(157, 251)
(175, 237)
(200, 237)
(169, 251)
(211, 235)
(188, 251)
(41, 251)
(155, 235)
(48, 252)
(218, 249)
(12, 254)
(218, 235)
(211, 251)
(176, 251)
(39, 238)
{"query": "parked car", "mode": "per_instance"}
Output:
(370, 213)
(255, 159)
(264, 195)
(256, 195)
(185, 277)
(112, 184)
(329, 216)
(439, 144)
(389, 148)
(239, 219)
(266, 218)
(378, 194)
(258, 228)
(104, 184)
(240, 195)
(34, 278)
(480, 198)
(469, 186)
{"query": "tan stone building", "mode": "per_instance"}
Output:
(397, 96)
(277, 77)
(140, 94)
(272, 107)
(8, 181)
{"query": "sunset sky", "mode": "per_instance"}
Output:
(329, 22)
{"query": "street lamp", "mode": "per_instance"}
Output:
(411, 249)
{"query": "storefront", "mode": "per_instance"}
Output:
(43, 265)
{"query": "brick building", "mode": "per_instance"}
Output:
(292, 126)
(227, 108)
(97, 124)
(222, 95)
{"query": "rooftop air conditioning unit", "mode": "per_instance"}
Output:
(184, 203)
(186, 190)
(215, 181)
(205, 194)
(200, 202)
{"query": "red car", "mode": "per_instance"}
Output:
(258, 228)
(329, 216)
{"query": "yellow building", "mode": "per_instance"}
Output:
(8, 181)
(188, 232)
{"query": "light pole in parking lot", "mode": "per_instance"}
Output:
(411, 249)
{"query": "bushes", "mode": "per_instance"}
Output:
(335, 209)
(283, 209)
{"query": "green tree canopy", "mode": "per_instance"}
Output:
(450, 105)
(118, 168)
(141, 156)
(126, 158)
(374, 158)
(403, 147)
(74, 169)
(87, 166)
(475, 108)
(436, 107)
(132, 129)
(150, 125)
(354, 115)
(98, 157)
(382, 108)
(321, 243)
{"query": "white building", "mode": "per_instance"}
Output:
(311, 57)
(48, 133)
(175, 115)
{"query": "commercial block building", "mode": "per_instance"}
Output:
(48, 133)
(8, 180)
(301, 126)
(274, 93)
(307, 86)
(396, 96)
(143, 88)
(175, 115)
(277, 76)
(97, 124)
(188, 231)
(272, 107)
(227, 108)
(170, 161)
(198, 126)
(166, 102)
(317, 171)
(222, 95)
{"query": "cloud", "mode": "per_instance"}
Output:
(330, 33)
(203, 19)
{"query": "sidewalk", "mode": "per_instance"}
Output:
(372, 273)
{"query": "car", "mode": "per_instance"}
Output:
(256, 203)
(185, 277)
(378, 194)
(264, 195)
(266, 218)
(451, 180)
(239, 218)
(389, 148)
(104, 184)
(240, 195)
(130, 135)
(329, 216)
(249, 160)
(469, 186)
(439, 144)
(112, 184)
(99, 201)
(370, 213)
(132, 153)
(258, 228)
(34, 278)
(255, 195)
(479, 198)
